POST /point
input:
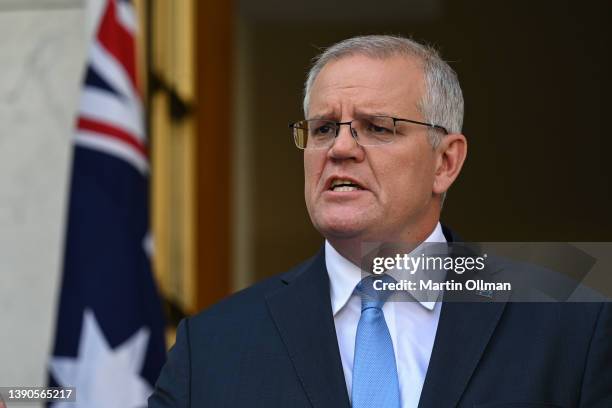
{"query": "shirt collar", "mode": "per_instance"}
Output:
(345, 275)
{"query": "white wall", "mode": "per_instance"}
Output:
(42, 54)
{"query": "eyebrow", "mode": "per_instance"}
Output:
(325, 115)
(358, 113)
(375, 113)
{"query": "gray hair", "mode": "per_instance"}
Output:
(442, 101)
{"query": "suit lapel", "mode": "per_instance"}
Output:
(303, 315)
(463, 333)
(467, 322)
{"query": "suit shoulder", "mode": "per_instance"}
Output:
(247, 304)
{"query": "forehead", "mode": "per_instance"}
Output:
(392, 85)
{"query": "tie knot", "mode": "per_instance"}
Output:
(373, 292)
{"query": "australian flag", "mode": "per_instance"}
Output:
(109, 340)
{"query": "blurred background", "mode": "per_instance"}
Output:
(221, 80)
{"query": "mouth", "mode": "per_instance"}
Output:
(339, 185)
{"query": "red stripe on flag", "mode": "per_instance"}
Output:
(118, 41)
(113, 132)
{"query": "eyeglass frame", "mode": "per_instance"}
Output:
(354, 133)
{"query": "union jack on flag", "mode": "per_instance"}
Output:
(110, 114)
(109, 341)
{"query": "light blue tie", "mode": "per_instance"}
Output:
(375, 383)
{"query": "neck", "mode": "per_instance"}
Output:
(360, 249)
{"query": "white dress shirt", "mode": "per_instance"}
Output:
(412, 325)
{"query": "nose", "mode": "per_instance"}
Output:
(345, 146)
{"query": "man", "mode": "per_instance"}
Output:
(382, 144)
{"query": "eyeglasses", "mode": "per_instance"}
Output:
(367, 131)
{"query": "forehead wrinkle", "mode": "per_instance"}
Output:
(377, 97)
(326, 113)
(338, 105)
(370, 107)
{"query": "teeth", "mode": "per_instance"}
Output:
(342, 185)
(339, 182)
(346, 188)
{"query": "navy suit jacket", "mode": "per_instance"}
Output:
(275, 345)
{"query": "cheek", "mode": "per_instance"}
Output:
(313, 168)
(406, 180)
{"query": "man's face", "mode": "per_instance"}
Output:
(395, 197)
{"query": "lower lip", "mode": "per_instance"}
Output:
(330, 194)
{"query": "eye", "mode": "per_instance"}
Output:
(323, 129)
(378, 128)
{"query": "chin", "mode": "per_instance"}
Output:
(340, 232)
(341, 227)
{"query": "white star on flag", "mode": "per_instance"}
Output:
(102, 376)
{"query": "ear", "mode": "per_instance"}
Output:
(450, 155)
